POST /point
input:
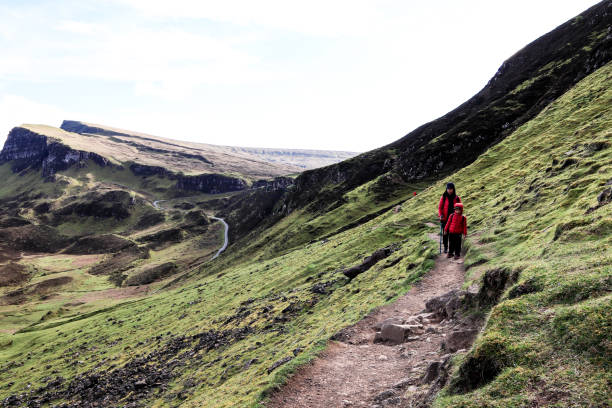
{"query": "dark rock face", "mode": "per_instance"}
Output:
(210, 183)
(279, 363)
(80, 127)
(368, 262)
(278, 183)
(205, 183)
(23, 146)
(28, 149)
(459, 339)
(144, 170)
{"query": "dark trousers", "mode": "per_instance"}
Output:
(444, 237)
(455, 244)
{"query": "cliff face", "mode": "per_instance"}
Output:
(28, 149)
(278, 183)
(523, 86)
(210, 183)
(80, 127)
(25, 148)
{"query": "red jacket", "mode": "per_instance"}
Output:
(443, 206)
(456, 224)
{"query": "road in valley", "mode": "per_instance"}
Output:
(226, 236)
(156, 204)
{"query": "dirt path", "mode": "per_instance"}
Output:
(354, 371)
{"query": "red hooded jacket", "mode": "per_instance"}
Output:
(443, 206)
(457, 224)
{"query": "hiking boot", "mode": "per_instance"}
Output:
(445, 250)
(449, 255)
(457, 257)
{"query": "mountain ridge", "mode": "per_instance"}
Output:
(107, 299)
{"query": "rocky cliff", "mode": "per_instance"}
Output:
(28, 149)
(210, 183)
(25, 148)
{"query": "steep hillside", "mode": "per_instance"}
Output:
(537, 204)
(524, 85)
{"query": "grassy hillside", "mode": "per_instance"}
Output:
(531, 202)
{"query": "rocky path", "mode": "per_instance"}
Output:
(395, 366)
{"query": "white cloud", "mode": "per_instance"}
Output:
(17, 110)
(314, 17)
(328, 74)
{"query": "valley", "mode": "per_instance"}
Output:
(137, 271)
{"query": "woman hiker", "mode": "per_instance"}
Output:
(446, 207)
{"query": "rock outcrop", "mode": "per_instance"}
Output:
(277, 183)
(25, 148)
(29, 149)
(210, 183)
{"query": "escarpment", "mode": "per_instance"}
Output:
(26, 148)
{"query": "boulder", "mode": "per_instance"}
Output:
(459, 339)
(368, 262)
(399, 333)
(391, 320)
(447, 305)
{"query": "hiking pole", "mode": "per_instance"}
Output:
(441, 232)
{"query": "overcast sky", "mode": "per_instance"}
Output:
(330, 74)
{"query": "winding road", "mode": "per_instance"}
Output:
(156, 204)
(226, 235)
(226, 240)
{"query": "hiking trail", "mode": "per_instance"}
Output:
(356, 371)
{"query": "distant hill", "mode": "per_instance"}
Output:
(194, 167)
(201, 157)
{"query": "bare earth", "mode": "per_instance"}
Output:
(351, 373)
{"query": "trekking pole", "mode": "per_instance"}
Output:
(441, 232)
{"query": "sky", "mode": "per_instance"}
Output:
(319, 74)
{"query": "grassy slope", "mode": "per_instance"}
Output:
(58, 302)
(554, 338)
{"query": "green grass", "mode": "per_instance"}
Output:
(552, 342)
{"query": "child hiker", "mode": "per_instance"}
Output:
(455, 226)
(446, 207)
